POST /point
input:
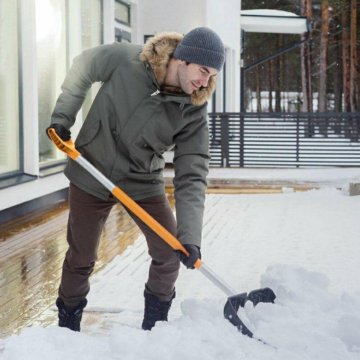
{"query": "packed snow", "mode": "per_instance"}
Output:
(305, 246)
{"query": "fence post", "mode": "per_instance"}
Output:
(224, 140)
(242, 135)
(297, 141)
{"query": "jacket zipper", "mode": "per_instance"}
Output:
(157, 92)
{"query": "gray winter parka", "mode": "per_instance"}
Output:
(132, 123)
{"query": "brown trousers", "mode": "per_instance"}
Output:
(86, 221)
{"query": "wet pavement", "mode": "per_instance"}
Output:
(32, 250)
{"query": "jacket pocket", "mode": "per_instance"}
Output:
(96, 144)
(157, 163)
(144, 159)
(87, 133)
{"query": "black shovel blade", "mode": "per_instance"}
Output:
(233, 304)
(230, 312)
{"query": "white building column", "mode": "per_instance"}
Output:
(29, 87)
(109, 21)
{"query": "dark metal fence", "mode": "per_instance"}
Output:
(284, 139)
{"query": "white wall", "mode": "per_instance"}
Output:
(109, 24)
(29, 88)
(224, 18)
(169, 15)
(229, 31)
(136, 22)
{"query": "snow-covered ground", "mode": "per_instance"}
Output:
(305, 246)
(338, 177)
(330, 176)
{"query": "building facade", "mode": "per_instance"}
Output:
(39, 39)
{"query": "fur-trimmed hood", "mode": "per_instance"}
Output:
(157, 52)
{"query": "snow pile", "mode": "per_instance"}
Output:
(306, 322)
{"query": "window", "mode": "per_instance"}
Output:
(122, 35)
(91, 23)
(122, 13)
(51, 63)
(9, 89)
(91, 35)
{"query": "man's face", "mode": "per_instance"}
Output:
(191, 77)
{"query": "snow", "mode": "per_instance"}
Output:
(337, 177)
(305, 246)
(267, 12)
(326, 175)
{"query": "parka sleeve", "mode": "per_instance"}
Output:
(92, 65)
(191, 160)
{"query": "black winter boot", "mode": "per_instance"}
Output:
(155, 310)
(70, 318)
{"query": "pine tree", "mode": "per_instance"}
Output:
(345, 39)
(306, 10)
(324, 41)
(354, 73)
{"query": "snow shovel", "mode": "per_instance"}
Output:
(234, 300)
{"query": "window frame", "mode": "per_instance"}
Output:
(56, 166)
(5, 177)
(128, 7)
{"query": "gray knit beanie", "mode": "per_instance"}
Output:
(201, 46)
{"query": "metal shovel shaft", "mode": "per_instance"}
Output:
(216, 280)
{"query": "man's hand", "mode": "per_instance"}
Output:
(194, 254)
(62, 132)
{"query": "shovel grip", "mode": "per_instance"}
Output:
(67, 147)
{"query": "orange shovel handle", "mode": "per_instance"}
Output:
(68, 148)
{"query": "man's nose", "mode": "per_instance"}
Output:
(204, 81)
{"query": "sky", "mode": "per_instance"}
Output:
(304, 245)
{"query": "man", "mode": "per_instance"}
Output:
(152, 99)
